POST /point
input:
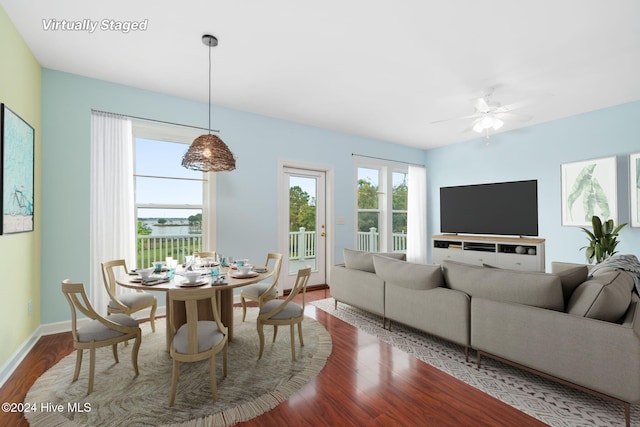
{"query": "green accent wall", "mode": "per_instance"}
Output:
(20, 90)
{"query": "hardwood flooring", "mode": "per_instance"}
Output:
(364, 383)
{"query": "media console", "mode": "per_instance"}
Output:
(516, 253)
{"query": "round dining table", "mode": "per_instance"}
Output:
(224, 294)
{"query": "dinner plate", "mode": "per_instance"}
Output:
(244, 276)
(186, 284)
(151, 278)
(260, 269)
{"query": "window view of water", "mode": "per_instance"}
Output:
(172, 227)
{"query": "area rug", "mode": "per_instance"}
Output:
(251, 387)
(545, 400)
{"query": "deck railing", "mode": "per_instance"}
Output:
(157, 248)
(370, 241)
(302, 245)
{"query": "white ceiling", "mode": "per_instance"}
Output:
(378, 68)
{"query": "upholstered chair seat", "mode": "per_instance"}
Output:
(133, 300)
(290, 309)
(94, 330)
(208, 336)
(258, 289)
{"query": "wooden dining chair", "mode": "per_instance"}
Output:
(98, 331)
(285, 312)
(205, 254)
(127, 303)
(195, 339)
(262, 292)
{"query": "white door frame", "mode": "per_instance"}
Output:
(283, 208)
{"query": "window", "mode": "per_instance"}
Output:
(381, 207)
(170, 199)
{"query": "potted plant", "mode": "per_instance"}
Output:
(602, 241)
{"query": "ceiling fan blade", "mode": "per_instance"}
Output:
(514, 116)
(481, 105)
(512, 106)
(472, 116)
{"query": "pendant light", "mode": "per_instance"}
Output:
(208, 153)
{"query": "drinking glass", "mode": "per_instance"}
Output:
(157, 267)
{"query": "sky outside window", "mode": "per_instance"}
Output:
(160, 158)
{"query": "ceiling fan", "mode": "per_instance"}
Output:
(490, 115)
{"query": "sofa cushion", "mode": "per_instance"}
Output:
(408, 274)
(571, 276)
(522, 287)
(605, 296)
(361, 260)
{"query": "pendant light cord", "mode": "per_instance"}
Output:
(209, 89)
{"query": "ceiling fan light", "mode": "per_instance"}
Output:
(478, 127)
(487, 122)
(497, 123)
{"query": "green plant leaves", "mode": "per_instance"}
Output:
(582, 181)
(603, 240)
(587, 186)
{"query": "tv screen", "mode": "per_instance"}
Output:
(508, 208)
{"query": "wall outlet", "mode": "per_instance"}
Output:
(30, 307)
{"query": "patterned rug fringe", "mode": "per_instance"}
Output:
(55, 385)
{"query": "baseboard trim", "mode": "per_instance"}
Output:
(17, 357)
(49, 329)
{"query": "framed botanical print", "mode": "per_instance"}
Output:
(634, 188)
(17, 172)
(588, 189)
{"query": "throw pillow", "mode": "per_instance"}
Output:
(521, 287)
(408, 274)
(604, 297)
(361, 260)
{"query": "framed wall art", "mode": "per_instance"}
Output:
(634, 188)
(18, 139)
(588, 189)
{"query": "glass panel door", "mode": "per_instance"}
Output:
(306, 227)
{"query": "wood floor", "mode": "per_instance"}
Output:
(364, 383)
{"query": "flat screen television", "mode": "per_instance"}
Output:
(506, 208)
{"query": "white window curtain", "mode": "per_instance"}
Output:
(112, 224)
(417, 215)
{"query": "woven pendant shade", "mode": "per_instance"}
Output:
(208, 153)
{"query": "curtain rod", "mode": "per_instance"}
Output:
(387, 160)
(154, 120)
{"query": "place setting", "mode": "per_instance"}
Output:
(192, 279)
(243, 270)
(150, 276)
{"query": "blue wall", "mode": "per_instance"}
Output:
(536, 152)
(259, 142)
(245, 225)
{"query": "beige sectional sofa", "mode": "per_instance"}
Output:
(579, 330)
